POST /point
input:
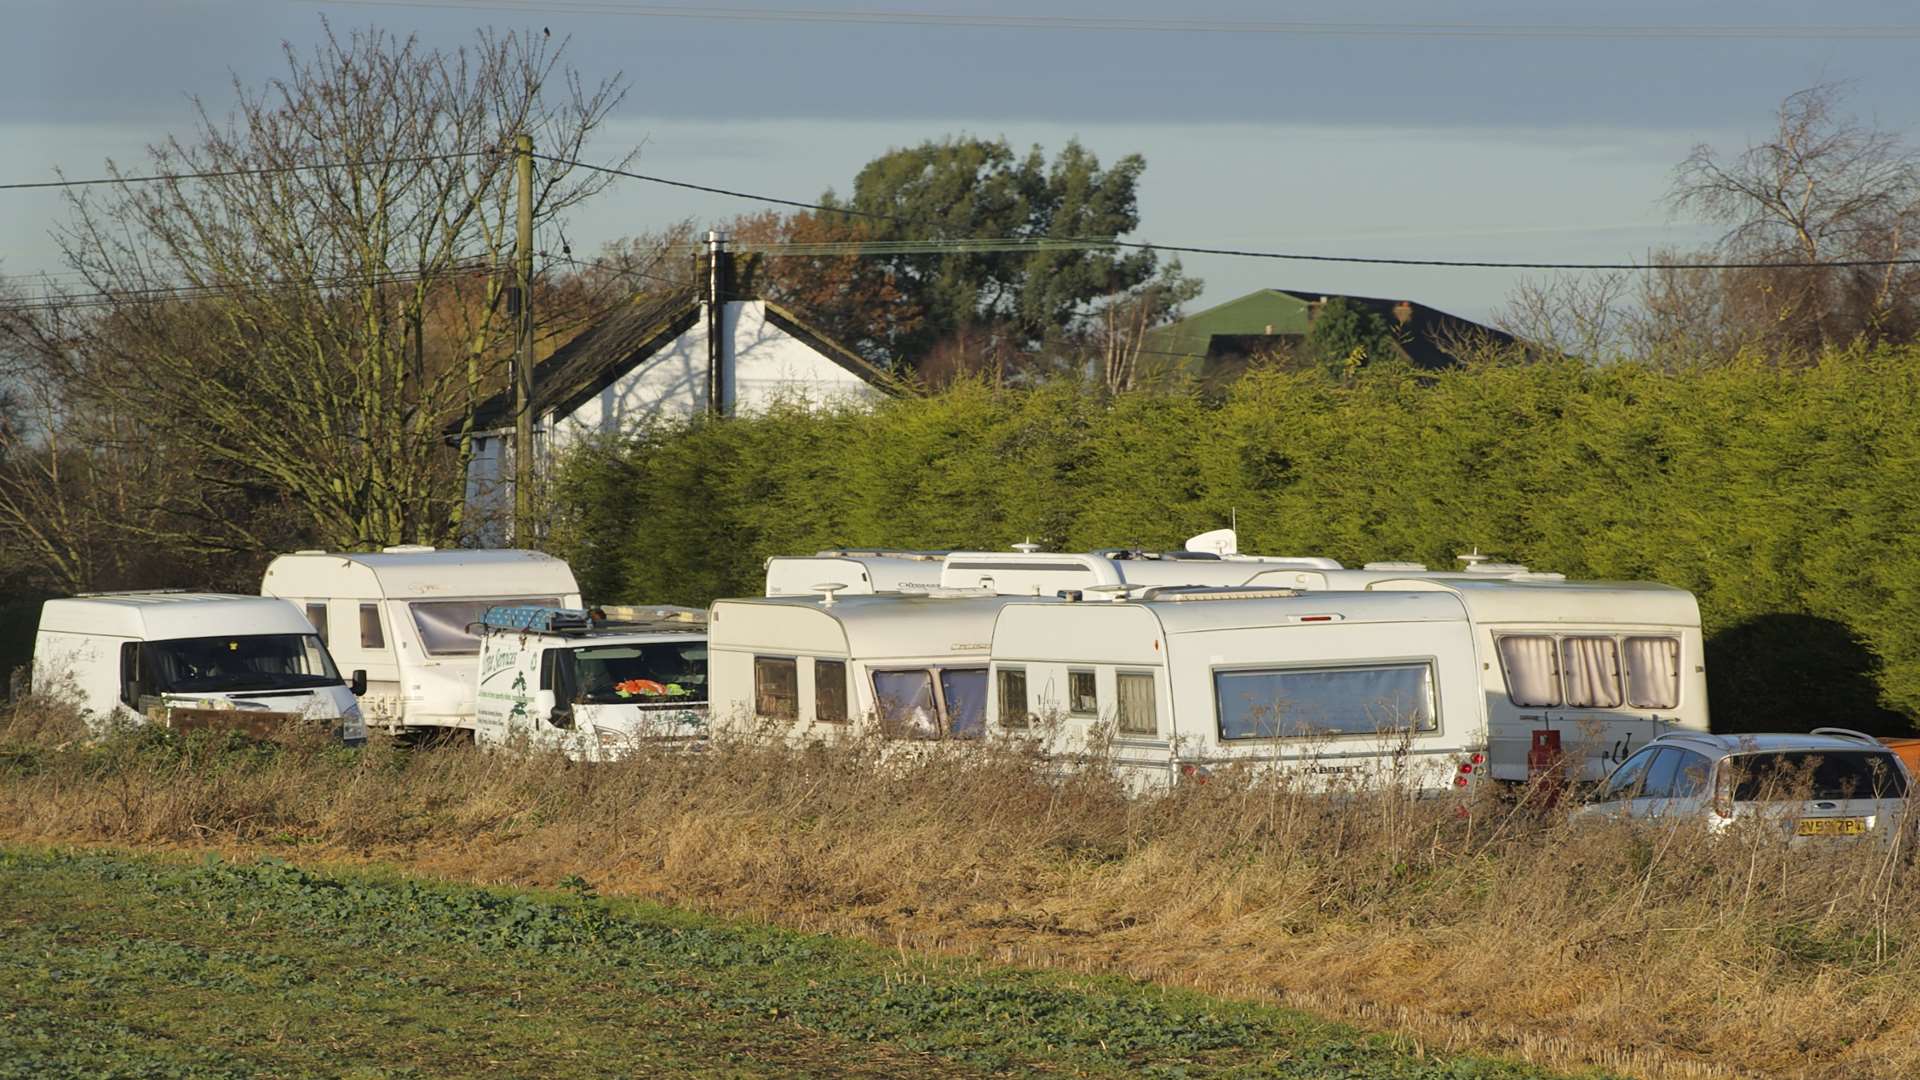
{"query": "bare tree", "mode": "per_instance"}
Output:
(1590, 316)
(334, 276)
(1823, 190)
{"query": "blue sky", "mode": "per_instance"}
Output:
(1556, 149)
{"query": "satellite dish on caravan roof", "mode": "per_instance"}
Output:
(1217, 542)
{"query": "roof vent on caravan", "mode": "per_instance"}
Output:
(1538, 575)
(1504, 569)
(403, 549)
(1398, 567)
(1185, 593)
(1026, 547)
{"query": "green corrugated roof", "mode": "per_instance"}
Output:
(1250, 314)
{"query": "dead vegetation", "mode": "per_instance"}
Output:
(1655, 954)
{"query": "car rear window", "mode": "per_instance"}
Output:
(1806, 774)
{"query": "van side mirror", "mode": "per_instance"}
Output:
(358, 682)
(561, 716)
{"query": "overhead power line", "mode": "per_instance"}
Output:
(1066, 243)
(269, 170)
(1278, 27)
(165, 293)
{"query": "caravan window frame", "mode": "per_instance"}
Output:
(942, 717)
(1074, 707)
(1435, 698)
(792, 667)
(822, 700)
(1003, 674)
(1622, 663)
(1120, 728)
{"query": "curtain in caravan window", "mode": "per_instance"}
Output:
(1532, 676)
(1136, 715)
(1590, 671)
(1653, 672)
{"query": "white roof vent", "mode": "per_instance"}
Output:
(1539, 575)
(1026, 547)
(1505, 569)
(1397, 567)
(407, 549)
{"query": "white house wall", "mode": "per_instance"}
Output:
(771, 366)
(768, 366)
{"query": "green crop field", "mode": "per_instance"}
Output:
(138, 966)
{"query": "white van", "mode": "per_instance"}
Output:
(594, 689)
(1185, 680)
(405, 616)
(142, 656)
(821, 668)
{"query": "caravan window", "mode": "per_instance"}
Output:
(830, 691)
(1136, 712)
(910, 708)
(1590, 671)
(317, 615)
(776, 687)
(443, 623)
(904, 700)
(1083, 695)
(1533, 676)
(1653, 672)
(1306, 702)
(370, 636)
(964, 692)
(1013, 698)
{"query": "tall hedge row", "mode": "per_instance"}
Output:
(1785, 499)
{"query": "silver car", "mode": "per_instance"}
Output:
(1831, 784)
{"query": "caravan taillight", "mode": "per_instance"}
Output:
(1478, 759)
(1466, 768)
(1460, 781)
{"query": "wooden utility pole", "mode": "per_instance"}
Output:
(523, 528)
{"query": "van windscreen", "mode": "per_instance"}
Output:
(1808, 774)
(443, 623)
(649, 673)
(224, 664)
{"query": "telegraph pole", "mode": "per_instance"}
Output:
(523, 347)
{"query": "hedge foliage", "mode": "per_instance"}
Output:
(1785, 499)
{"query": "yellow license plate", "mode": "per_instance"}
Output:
(1832, 826)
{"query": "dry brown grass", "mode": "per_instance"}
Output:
(1655, 954)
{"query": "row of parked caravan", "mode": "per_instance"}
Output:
(1163, 664)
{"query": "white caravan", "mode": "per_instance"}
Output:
(1209, 559)
(594, 689)
(817, 669)
(859, 571)
(1521, 672)
(1334, 686)
(1591, 669)
(405, 616)
(176, 657)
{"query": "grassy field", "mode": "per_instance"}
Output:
(117, 965)
(1481, 927)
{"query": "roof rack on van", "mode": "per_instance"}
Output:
(1184, 593)
(536, 618)
(131, 592)
(880, 553)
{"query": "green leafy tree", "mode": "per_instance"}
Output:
(1345, 337)
(960, 189)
